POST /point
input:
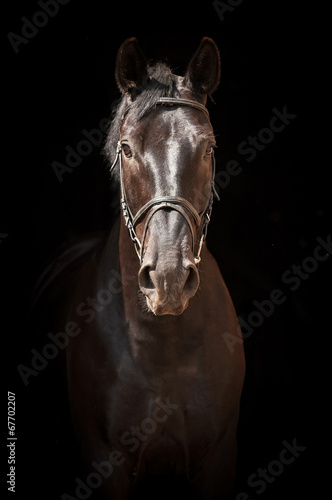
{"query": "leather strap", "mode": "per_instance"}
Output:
(175, 101)
(167, 201)
(160, 206)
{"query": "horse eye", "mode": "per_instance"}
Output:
(209, 149)
(127, 151)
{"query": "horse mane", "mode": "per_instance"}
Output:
(161, 83)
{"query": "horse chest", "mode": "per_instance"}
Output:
(163, 426)
(164, 404)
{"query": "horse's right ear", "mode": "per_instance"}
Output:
(130, 66)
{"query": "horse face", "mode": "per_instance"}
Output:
(168, 153)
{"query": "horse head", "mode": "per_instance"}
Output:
(166, 156)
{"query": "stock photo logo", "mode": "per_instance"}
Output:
(223, 8)
(293, 277)
(130, 441)
(30, 27)
(253, 145)
(60, 340)
(265, 135)
(92, 138)
(264, 476)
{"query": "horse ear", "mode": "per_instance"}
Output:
(130, 66)
(203, 73)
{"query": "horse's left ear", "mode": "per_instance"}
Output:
(203, 73)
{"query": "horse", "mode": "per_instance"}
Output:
(154, 390)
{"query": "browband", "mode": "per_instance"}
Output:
(175, 101)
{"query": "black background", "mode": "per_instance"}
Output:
(61, 82)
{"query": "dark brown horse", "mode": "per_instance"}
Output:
(154, 390)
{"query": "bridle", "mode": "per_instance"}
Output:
(181, 205)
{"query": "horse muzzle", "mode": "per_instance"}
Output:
(168, 284)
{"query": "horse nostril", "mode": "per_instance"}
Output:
(144, 278)
(192, 282)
